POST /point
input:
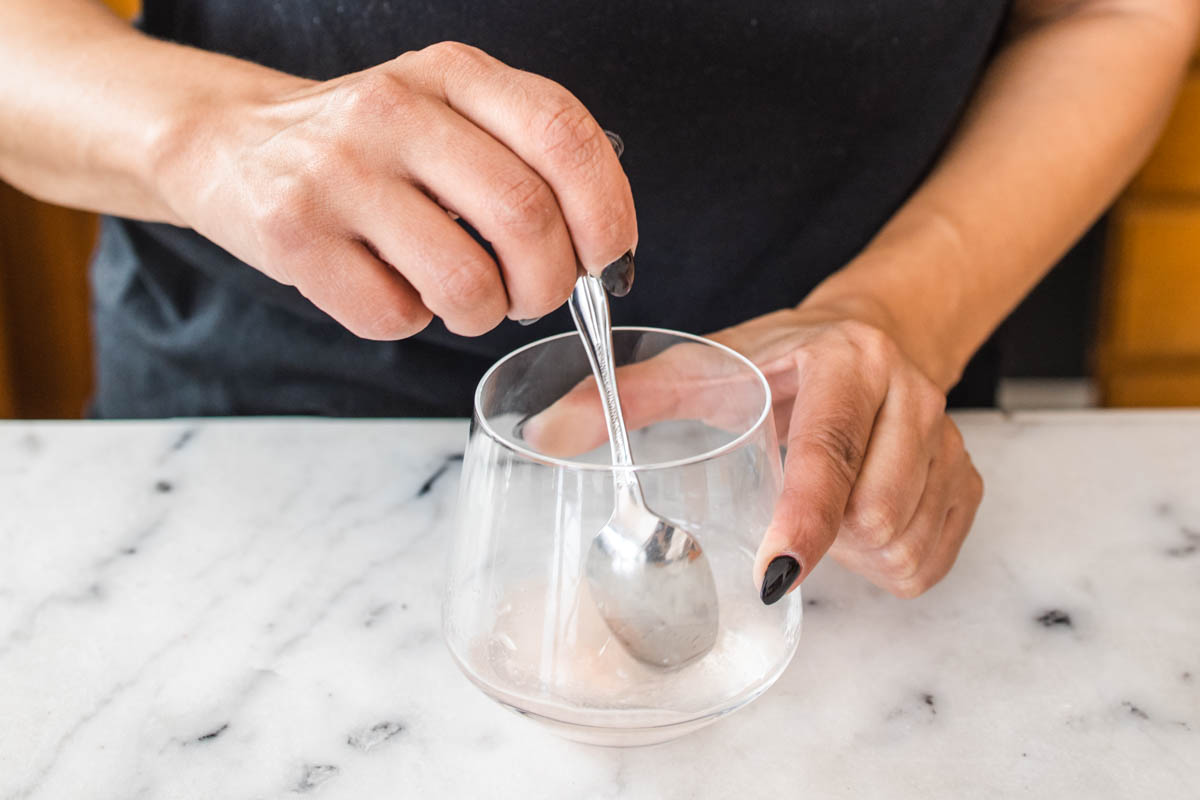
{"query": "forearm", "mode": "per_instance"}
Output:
(89, 107)
(1064, 115)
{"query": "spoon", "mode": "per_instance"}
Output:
(649, 578)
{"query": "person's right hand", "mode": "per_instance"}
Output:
(342, 189)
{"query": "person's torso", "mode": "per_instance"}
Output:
(766, 142)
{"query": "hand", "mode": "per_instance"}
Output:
(343, 189)
(876, 472)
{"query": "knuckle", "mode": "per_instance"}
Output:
(975, 487)
(409, 62)
(803, 360)
(335, 164)
(910, 589)
(279, 217)
(922, 582)
(566, 131)
(525, 205)
(931, 401)
(465, 284)
(374, 95)
(839, 449)
(456, 53)
(901, 560)
(953, 438)
(873, 526)
(875, 346)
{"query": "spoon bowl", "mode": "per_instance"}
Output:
(654, 588)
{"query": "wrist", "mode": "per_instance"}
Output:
(922, 339)
(916, 283)
(199, 127)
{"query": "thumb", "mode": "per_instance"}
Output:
(575, 423)
(685, 381)
(830, 427)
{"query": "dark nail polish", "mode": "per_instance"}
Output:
(528, 322)
(617, 277)
(781, 574)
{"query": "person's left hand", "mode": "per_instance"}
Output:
(876, 471)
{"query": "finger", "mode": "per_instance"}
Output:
(900, 560)
(906, 436)
(455, 277)
(830, 426)
(554, 134)
(955, 527)
(346, 281)
(686, 381)
(901, 557)
(650, 391)
(479, 179)
(574, 423)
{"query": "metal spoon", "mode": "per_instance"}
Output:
(650, 580)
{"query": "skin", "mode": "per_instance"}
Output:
(343, 189)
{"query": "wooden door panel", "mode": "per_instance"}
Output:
(1169, 386)
(1175, 164)
(1155, 276)
(1149, 345)
(126, 8)
(8, 403)
(45, 311)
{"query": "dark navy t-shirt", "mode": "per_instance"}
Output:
(766, 142)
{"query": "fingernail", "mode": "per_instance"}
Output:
(617, 277)
(528, 322)
(781, 574)
(518, 430)
(617, 143)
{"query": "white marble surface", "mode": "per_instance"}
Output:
(249, 610)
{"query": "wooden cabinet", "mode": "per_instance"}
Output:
(1149, 344)
(1175, 164)
(43, 268)
(126, 8)
(8, 405)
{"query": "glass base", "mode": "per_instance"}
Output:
(613, 714)
(615, 737)
(616, 734)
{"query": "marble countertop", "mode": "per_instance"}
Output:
(250, 609)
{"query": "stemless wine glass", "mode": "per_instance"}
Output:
(536, 489)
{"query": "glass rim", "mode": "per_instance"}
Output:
(566, 463)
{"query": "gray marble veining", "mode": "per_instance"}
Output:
(250, 609)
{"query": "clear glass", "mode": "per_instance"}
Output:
(517, 615)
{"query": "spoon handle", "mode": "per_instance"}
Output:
(589, 308)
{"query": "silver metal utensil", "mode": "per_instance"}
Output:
(649, 578)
